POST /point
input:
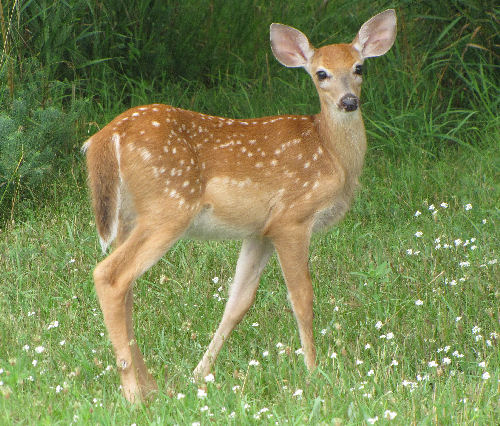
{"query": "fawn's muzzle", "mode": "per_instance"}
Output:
(349, 102)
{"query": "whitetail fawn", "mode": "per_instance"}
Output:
(159, 173)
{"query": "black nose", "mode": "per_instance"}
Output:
(349, 102)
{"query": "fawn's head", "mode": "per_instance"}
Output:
(336, 69)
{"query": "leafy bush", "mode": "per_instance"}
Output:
(35, 143)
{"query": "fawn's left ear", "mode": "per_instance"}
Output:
(290, 46)
(376, 36)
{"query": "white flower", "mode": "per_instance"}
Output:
(265, 354)
(26, 347)
(444, 205)
(419, 302)
(202, 393)
(204, 408)
(368, 346)
(468, 206)
(299, 351)
(298, 392)
(255, 324)
(39, 349)
(215, 280)
(34, 362)
(457, 242)
(431, 207)
(253, 362)
(485, 375)
(333, 355)
(370, 373)
(389, 336)
(62, 342)
(390, 415)
(458, 319)
(417, 213)
(324, 331)
(58, 388)
(482, 364)
(418, 234)
(210, 378)
(359, 362)
(372, 420)
(378, 325)
(484, 221)
(236, 388)
(432, 364)
(464, 264)
(279, 345)
(394, 363)
(53, 324)
(476, 329)
(456, 354)
(409, 251)
(446, 361)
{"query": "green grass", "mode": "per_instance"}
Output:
(362, 275)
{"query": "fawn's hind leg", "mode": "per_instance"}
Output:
(113, 278)
(254, 254)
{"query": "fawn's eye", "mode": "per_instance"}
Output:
(358, 70)
(321, 75)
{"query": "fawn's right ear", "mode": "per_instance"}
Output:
(290, 46)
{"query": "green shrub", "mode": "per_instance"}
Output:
(35, 143)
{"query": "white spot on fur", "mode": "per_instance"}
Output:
(155, 123)
(145, 154)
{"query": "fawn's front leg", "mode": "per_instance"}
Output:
(293, 253)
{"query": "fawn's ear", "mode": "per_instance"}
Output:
(290, 46)
(376, 36)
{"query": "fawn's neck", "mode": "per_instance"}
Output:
(343, 134)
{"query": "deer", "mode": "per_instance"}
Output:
(158, 174)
